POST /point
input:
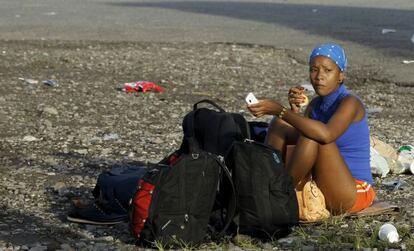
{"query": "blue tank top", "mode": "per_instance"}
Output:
(354, 143)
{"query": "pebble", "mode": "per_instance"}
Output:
(81, 151)
(30, 138)
(66, 247)
(50, 110)
(111, 136)
(29, 81)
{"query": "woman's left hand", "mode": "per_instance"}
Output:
(265, 107)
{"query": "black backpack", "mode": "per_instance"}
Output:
(175, 199)
(178, 200)
(215, 131)
(266, 199)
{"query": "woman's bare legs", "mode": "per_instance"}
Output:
(324, 161)
(280, 134)
(329, 171)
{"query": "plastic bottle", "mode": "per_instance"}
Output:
(406, 157)
(389, 233)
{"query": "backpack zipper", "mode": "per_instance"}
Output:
(259, 143)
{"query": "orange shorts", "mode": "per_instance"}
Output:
(365, 196)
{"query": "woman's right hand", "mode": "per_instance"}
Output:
(296, 97)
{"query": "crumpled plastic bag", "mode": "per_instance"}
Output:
(379, 165)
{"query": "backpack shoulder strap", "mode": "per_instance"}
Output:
(231, 207)
(189, 139)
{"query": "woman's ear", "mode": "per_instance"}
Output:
(341, 77)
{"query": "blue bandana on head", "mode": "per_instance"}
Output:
(332, 51)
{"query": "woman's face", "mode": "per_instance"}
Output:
(324, 75)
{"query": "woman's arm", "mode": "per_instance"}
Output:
(349, 110)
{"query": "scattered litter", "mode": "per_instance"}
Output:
(30, 138)
(388, 233)
(412, 39)
(395, 184)
(397, 167)
(388, 152)
(385, 31)
(400, 184)
(50, 82)
(29, 81)
(406, 157)
(375, 109)
(111, 136)
(17, 16)
(379, 165)
(408, 61)
(314, 10)
(288, 240)
(52, 13)
(141, 86)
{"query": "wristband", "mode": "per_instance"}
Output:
(282, 113)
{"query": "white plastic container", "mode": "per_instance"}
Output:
(389, 233)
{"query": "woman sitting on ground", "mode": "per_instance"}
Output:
(331, 138)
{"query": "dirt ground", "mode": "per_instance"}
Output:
(54, 141)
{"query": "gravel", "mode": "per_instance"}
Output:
(56, 139)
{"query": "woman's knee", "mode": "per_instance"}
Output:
(277, 125)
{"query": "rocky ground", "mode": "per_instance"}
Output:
(54, 141)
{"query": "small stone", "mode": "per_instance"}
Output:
(66, 247)
(38, 248)
(157, 141)
(110, 136)
(50, 110)
(286, 240)
(106, 151)
(30, 138)
(267, 246)
(107, 238)
(58, 186)
(29, 81)
(81, 151)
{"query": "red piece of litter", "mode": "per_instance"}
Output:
(142, 86)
